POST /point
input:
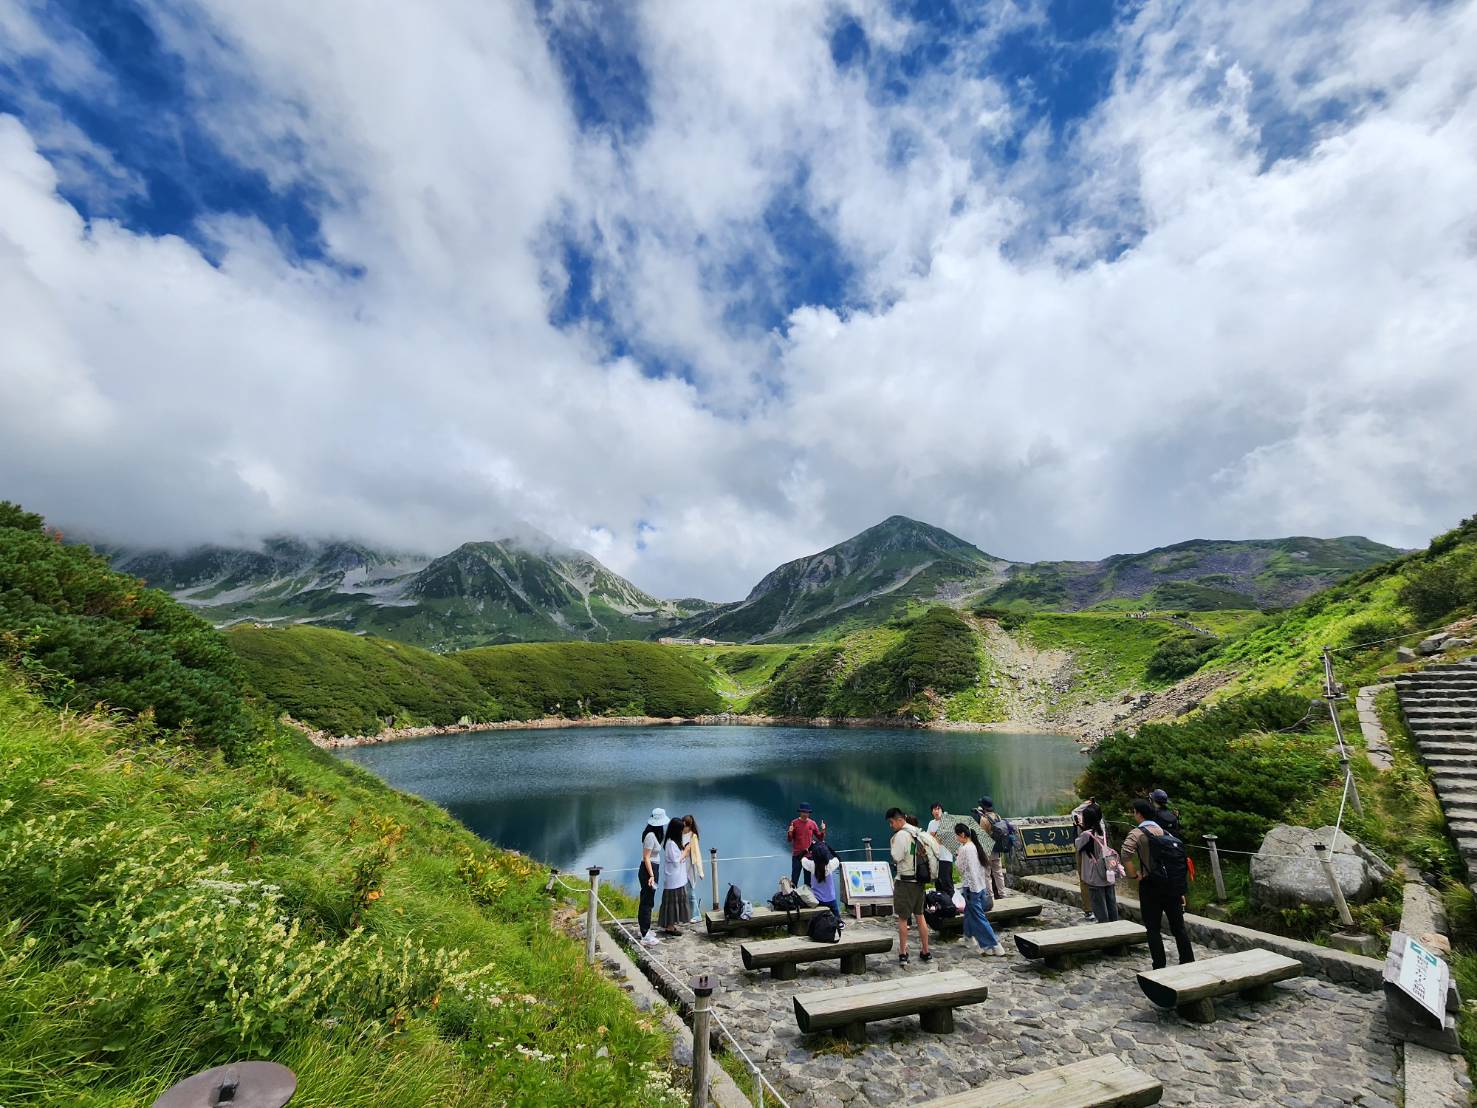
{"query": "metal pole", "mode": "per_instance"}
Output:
(592, 918)
(1215, 869)
(867, 846)
(758, 1085)
(702, 1008)
(1330, 694)
(1333, 885)
(713, 857)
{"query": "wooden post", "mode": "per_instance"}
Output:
(867, 847)
(1332, 693)
(758, 1085)
(553, 880)
(713, 873)
(592, 916)
(1354, 801)
(1215, 869)
(702, 1008)
(1333, 884)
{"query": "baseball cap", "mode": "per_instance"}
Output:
(986, 802)
(805, 807)
(1159, 796)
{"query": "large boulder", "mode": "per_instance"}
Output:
(1285, 872)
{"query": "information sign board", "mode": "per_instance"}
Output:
(866, 881)
(1047, 840)
(1423, 978)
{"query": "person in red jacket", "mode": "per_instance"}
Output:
(803, 831)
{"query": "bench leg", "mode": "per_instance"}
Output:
(1058, 961)
(798, 928)
(854, 1032)
(938, 1020)
(853, 963)
(1258, 992)
(1198, 1011)
(740, 932)
(784, 971)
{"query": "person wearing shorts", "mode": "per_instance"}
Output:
(907, 890)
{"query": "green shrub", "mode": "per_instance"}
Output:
(1441, 587)
(1178, 656)
(1232, 770)
(87, 635)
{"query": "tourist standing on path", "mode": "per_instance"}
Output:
(973, 865)
(1098, 868)
(994, 826)
(649, 871)
(803, 831)
(907, 890)
(674, 881)
(1087, 911)
(1157, 859)
(693, 849)
(821, 867)
(945, 881)
(1165, 816)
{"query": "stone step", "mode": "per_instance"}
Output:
(1454, 773)
(1443, 723)
(1440, 734)
(1433, 707)
(1461, 827)
(1423, 701)
(1430, 680)
(1449, 742)
(1438, 762)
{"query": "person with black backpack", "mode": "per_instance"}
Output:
(910, 854)
(1160, 863)
(822, 866)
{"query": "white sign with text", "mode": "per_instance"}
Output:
(1423, 978)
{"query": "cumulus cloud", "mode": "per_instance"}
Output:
(1231, 299)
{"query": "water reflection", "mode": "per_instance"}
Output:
(579, 797)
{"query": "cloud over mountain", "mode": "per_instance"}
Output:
(702, 289)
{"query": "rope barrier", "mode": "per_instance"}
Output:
(753, 1066)
(1381, 642)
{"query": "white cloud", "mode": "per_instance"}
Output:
(1286, 346)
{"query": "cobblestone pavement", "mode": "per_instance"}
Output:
(1315, 1044)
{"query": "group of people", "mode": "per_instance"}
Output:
(671, 860)
(1153, 854)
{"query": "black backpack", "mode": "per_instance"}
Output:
(938, 906)
(1168, 861)
(733, 903)
(924, 870)
(825, 928)
(786, 902)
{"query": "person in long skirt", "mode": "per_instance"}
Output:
(648, 873)
(972, 868)
(674, 882)
(693, 848)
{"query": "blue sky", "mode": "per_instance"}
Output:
(705, 289)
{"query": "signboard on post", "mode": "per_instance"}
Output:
(864, 883)
(1423, 978)
(1048, 840)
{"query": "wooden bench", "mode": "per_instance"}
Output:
(1189, 988)
(1006, 910)
(762, 919)
(782, 956)
(931, 996)
(1057, 944)
(1106, 1082)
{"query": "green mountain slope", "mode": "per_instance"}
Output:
(863, 581)
(520, 588)
(358, 684)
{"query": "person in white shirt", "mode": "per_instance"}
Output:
(692, 846)
(674, 882)
(974, 875)
(944, 883)
(648, 872)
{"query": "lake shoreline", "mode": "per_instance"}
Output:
(394, 734)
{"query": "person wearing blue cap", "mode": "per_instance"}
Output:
(803, 831)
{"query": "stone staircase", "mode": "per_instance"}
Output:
(1440, 705)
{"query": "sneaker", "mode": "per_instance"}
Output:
(696, 919)
(650, 939)
(926, 956)
(997, 951)
(902, 959)
(1088, 917)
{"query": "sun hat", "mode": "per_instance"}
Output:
(658, 815)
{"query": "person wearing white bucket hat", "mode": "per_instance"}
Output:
(647, 873)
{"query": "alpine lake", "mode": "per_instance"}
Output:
(579, 797)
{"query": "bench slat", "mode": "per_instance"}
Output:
(1051, 941)
(1004, 910)
(880, 1000)
(772, 952)
(1107, 1082)
(1174, 986)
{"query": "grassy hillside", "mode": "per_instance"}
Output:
(352, 684)
(529, 680)
(179, 894)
